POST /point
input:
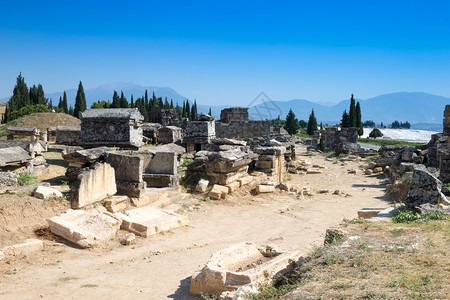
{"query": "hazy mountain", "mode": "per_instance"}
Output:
(413, 107)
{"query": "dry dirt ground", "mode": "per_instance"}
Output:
(161, 266)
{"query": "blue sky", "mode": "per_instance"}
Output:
(227, 52)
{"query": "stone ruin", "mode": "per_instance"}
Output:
(112, 127)
(150, 132)
(169, 135)
(68, 135)
(198, 133)
(23, 156)
(342, 140)
(165, 117)
(234, 114)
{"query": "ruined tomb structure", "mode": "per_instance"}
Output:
(271, 161)
(169, 135)
(333, 137)
(112, 127)
(165, 117)
(198, 133)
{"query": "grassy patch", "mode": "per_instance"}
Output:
(26, 178)
(387, 143)
(68, 278)
(389, 261)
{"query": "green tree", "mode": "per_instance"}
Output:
(188, 110)
(312, 124)
(123, 101)
(291, 125)
(19, 99)
(64, 103)
(345, 121)
(131, 101)
(375, 133)
(71, 112)
(115, 100)
(302, 124)
(352, 113)
(358, 120)
(194, 111)
(210, 113)
(80, 101)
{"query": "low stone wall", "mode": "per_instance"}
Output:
(243, 130)
(68, 135)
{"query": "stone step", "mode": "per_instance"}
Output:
(163, 202)
(154, 195)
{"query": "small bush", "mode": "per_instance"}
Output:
(187, 162)
(406, 216)
(26, 178)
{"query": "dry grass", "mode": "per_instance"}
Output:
(387, 261)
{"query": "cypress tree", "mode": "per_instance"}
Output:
(188, 109)
(171, 104)
(132, 102)
(345, 121)
(64, 103)
(358, 120)
(183, 111)
(291, 125)
(123, 101)
(33, 95)
(352, 113)
(194, 111)
(80, 101)
(20, 97)
(166, 103)
(71, 112)
(209, 113)
(312, 124)
(60, 103)
(115, 100)
(50, 104)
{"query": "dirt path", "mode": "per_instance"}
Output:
(160, 267)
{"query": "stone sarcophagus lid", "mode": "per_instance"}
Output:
(120, 127)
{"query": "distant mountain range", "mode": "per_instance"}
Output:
(422, 110)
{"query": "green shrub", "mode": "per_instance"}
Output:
(26, 178)
(187, 162)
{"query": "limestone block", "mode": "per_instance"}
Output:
(39, 160)
(116, 203)
(247, 179)
(218, 192)
(26, 248)
(368, 172)
(93, 185)
(233, 186)
(202, 185)
(147, 221)
(84, 156)
(265, 164)
(377, 170)
(312, 171)
(241, 265)
(8, 182)
(128, 239)
(367, 213)
(45, 192)
(127, 167)
(13, 155)
(226, 178)
(83, 228)
(163, 163)
(264, 189)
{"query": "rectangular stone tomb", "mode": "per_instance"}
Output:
(83, 228)
(13, 155)
(147, 221)
(239, 265)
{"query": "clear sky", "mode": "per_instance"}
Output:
(227, 52)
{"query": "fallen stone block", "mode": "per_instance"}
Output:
(92, 185)
(128, 239)
(368, 213)
(116, 203)
(147, 221)
(241, 265)
(83, 228)
(82, 157)
(8, 182)
(312, 171)
(202, 186)
(247, 179)
(233, 186)
(26, 248)
(264, 189)
(218, 192)
(45, 192)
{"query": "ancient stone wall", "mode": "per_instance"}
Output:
(170, 134)
(332, 137)
(234, 114)
(68, 135)
(243, 130)
(166, 117)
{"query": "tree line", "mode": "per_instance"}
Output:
(26, 101)
(351, 119)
